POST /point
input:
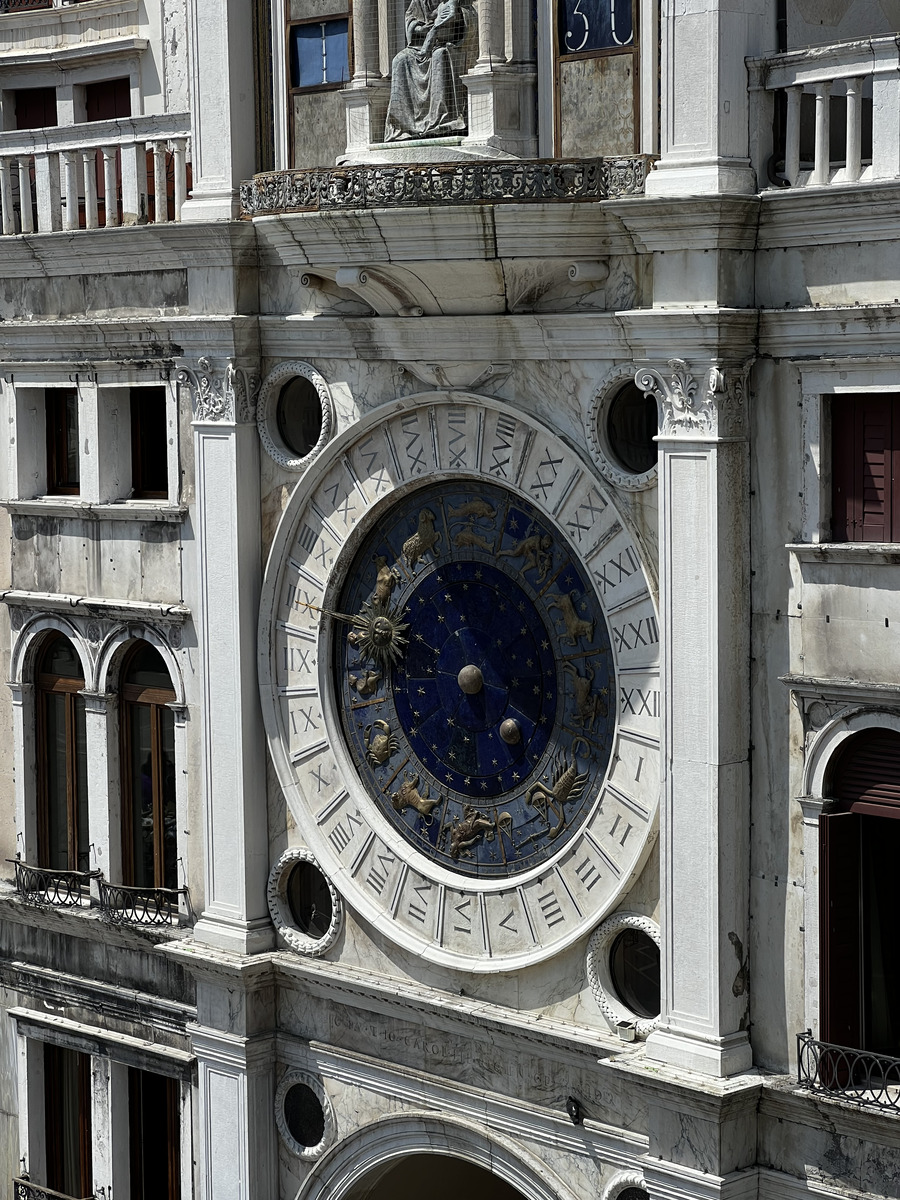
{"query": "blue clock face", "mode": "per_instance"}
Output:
(475, 679)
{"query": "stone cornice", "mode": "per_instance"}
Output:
(859, 331)
(810, 217)
(690, 223)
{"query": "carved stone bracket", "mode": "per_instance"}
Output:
(712, 406)
(221, 395)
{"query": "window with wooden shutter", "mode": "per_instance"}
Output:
(865, 439)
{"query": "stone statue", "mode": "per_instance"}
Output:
(427, 96)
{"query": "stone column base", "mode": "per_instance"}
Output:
(716, 1057)
(365, 106)
(501, 110)
(672, 177)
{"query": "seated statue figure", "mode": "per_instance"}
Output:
(427, 96)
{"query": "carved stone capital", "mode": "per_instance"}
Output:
(221, 394)
(710, 403)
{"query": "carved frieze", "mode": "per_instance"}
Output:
(227, 394)
(713, 405)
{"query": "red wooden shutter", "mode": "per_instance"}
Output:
(865, 468)
(840, 920)
(868, 769)
(874, 440)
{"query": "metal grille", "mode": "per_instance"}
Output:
(11, 6)
(123, 905)
(24, 1189)
(59, 889)
(421, 185)
(859, 1076)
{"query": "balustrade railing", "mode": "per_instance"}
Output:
(828, 114)
(860, 1076)
(123, 905)
(24, 1189)
(57, 889)
(129, 171)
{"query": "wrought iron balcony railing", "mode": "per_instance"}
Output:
(495, 181)
(24, 1189)
(121, 905)
(49, 888)
(860, 1076)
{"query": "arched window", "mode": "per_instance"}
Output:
(859, 853)
(149, 826)
(63, 841)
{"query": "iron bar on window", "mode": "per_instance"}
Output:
(46, 887)
(859, 1076)
(123, 905)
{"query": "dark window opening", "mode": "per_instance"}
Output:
(859, 850)
(865, 461)
(63, 840)
(149, 444)
(631, 426)
(149, 825)
(154, 1136)
(63, 469)
(108, 99)
(35, 108)
(304, 1115)
(299, 415)
(309, 900)
(634, 967)
(319, 53)
(67, 1114)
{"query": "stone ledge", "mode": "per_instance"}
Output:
(424, 184)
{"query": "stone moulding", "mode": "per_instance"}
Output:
(423, 184)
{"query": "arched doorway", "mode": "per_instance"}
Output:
(438, 1177)
(859, 853)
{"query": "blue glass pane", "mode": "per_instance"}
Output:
(307, 65)
(336, 51)
(594, 25)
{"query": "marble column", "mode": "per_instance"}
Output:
(220, 36)
(705, 625)
(366, 97)
(228, 569)
(501, 84)
(704, 121)
(104, 793)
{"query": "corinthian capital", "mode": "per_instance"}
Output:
(708, 403)
(221, 394)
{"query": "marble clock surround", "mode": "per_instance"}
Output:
(453, 919)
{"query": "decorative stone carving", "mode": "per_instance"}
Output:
(422, 184)
(427, 96)
(621, 1182)
(279, 909)
(267, 414)
(714, 407)
(228, 395)
(599, 973)
(292, 1079)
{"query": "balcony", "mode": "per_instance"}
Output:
(495, 181)
(118, 904)
(835, 112)
(102, 173)
(121, 905)
(858, 1076)
(24, 1189)
(53, 889)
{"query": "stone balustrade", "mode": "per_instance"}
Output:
(835, 112)
(129, 171)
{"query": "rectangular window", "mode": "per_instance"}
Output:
(108, 99)
(865, 461)
(319, 53)
(35, 107)
(67, 1113)
(149, 444)
(596, 71)
(63, 474)
(154, 1136)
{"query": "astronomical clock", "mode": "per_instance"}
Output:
(460, 679)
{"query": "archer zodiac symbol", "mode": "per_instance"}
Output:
(537, 551)
(567, 785)
(588, 705)
(472, 828)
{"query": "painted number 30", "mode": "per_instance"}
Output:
(582, 30)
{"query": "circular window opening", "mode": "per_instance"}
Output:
(634, 967)
(304, 1115)
(299, 416)
(631, 428)
(633, 1193)
(309, 900)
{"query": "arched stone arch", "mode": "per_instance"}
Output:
(113, 650)
(371, 1151)
(832, 737)
(30, 638)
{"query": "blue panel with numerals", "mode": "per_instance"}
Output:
(585, 25)
(485, 742)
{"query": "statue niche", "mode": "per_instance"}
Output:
(428, 98)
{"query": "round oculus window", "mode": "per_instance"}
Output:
(631, 425)
(299, 415)
(304, 1115)
(309, 900)
(634, 967)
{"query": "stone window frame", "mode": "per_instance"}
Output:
(279, 909)
(267, 414)
(599, 970)
(595, 428)
(291, 1078)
